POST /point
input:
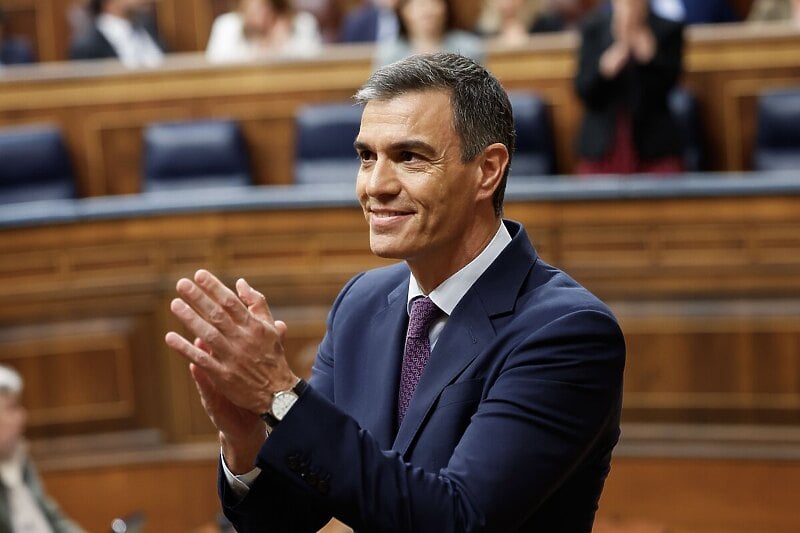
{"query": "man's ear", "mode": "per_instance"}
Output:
(493, 163)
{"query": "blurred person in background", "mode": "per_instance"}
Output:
(694, 11)
(13, 50)
(508, 22)
(375, 21)
(428, 26)
(24, 506)
(629, 61)
(262, 28)
(123, 29)
(775, 11)
(561, 15)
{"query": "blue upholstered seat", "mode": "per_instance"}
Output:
(683, 105)
(534, 151)
(34, 164)
(778, 134)
(190, 154)
(324, 143)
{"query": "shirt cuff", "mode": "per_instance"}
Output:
(240, 485)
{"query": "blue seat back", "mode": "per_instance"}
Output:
(778, 131)
(189, 154)
(324, 143)
(683, 105)
(34, 164)
(534, 147)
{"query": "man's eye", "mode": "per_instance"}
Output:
(408, 156)
(365, 155)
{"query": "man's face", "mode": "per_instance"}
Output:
(417, 195)
(12, 423)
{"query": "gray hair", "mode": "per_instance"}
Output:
(481, 109)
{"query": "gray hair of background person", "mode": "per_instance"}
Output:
(481, 110)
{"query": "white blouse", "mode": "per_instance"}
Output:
(228, 43)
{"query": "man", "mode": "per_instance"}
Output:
(23, 504)
(471, 387)
(118, 30)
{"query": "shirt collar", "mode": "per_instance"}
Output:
(113, 27)
(447, 295)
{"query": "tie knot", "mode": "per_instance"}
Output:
(423, 312)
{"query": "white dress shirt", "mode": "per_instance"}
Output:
(134, 46)
(24, 512)
(446, 296)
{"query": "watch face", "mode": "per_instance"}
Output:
(282, 402)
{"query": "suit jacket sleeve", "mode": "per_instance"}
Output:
(270, 501)
(553, 392)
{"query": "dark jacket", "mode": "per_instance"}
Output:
(510, 428)
(639, 89)
(14, 50)
(92, 44)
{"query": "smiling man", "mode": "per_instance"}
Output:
(471, 387)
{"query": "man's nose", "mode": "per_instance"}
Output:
(382, 179)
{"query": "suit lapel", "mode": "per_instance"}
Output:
(469, 330)
(386, 338)
(466, 334)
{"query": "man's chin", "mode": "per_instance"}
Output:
(386, 249)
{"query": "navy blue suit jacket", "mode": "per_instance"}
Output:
(510, 429)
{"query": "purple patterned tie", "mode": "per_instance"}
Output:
(417, 352)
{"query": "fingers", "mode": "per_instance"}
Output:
(212, 300)
(199, 357)
(255, 301)
(213, 337)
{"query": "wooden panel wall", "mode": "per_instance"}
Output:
(641, 495)
(708, 291)
(103, 108)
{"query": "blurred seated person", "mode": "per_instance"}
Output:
(694, 11)
(261, 28)
(775, 11)
(121, 29)
(24, 506)
(629, 61)
(375, 21)
(428, 26)
(13, 50)
(507, 22)
(560, 15)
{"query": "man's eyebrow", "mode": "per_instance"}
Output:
(410, 145)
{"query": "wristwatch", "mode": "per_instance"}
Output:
(282, 401)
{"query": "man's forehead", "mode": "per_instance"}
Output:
(428, 108)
